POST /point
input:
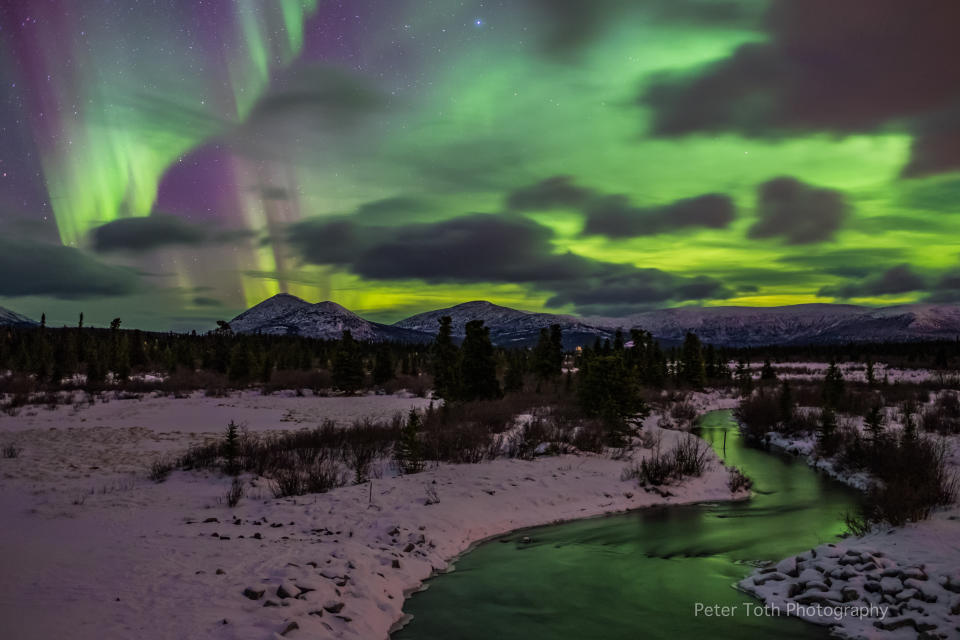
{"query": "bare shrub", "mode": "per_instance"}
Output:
(738, 481)
(10, 451)
(943, 416)
(687, 458)
(757, 415)
(235, 493)
(160, 469)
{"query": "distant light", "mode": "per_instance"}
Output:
(478, 22)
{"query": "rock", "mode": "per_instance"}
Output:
(394, 531)
(788, 567)
(293, 626)
(334, 607)
(768, 577)
(849, 594)
(525, 540)
(906, 594)
(895, 623)
(410, 547)
(924, 589)
(891, 585)
(818, 584)
(873, 587)
(287, 590)
(917, 573)
(210, 520)
(254, 594)
(316, 612)
(220, 572)
(395, 564)
(270, 603)
(257, 536)
(809, 575)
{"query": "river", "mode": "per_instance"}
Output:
(641, 574)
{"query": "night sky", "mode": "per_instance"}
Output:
(174, 162)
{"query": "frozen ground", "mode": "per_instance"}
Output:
(905, 580)
(91, 549)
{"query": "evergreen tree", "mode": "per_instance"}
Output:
(874, 424)
(556, 342)
(409, 450)
(383, 366)
(478, 366)
(833, 386)
(347, 371)
(871, 379)
(231, 448)
(241, 362)
(909, 436)
(827, 433)
(607, 390)
(767, 373)
(445, 355)
(744, 378)
(786, 403)
(513, 378)
(692, 369)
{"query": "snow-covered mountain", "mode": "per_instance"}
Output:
(797, 324)
(508, 327)
(722, 326)
(284, 314)
(11, 318)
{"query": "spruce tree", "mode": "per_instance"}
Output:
(827, 433)
(241, 362)
(444, 356)
(409, 450)
(478, 366)
(692, 367)
(874, 424)
(833, 386)
(744, 378)
(347, 371)
(786, 403)
(383, 367)
(767, 373)
(513, 378)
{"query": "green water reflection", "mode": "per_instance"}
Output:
(639, 575)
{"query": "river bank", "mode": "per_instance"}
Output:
(906, 579)
(95, 550)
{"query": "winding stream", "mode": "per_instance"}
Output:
(639, 575)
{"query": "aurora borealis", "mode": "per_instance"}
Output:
(174, 162)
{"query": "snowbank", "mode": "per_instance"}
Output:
(92, 549)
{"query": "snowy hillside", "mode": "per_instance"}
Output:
(798, 324)
(284, 314)
(507, 326)
(729, 326)
(8, 318)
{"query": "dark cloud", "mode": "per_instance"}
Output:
(154, 232)
(324, 94)
(34, 268)
(849, 263)
(569, 26)
(797, 212)
(396, 210)
(939, 196)
(615, 217)
(898, 279)
(557, 192)
(493, 249)
(203, 301)
(839, 67)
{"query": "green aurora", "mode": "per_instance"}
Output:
(194, 162)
